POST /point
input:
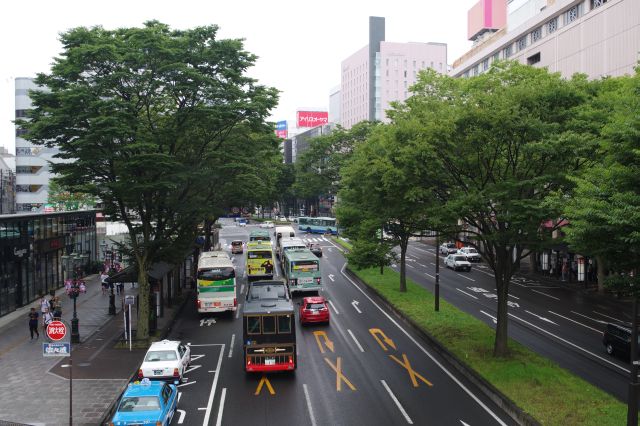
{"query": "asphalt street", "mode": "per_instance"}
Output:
(363, 368)
(554, 321)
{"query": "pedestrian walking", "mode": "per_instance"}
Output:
(105, 285)
(57, 308)
(46, 320)
(33, 323)
(44, 305)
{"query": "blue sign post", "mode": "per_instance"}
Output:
(56, 349)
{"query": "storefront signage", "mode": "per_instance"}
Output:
(51, 244)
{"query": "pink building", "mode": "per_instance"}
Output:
(486, 16)
(595, 37)
(383, 72)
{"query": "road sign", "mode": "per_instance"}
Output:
(56, 349)
(56, 330)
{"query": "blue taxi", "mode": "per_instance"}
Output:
(146, 403)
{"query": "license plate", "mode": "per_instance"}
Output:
(315, 312)
(306, 280)
(157, 372)
(269, 361)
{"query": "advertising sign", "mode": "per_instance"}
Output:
(56, 349)
(281, 129)
(312, 118)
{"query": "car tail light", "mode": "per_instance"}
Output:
(292, 281)
(176, 373)
(318, 280)
(290, 359)
(199, 303)
(140, 374)
(158, 423)
(235, 302)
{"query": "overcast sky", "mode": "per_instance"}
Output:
(300, 44)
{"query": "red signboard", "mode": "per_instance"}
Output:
(312, 118)
(56, 330)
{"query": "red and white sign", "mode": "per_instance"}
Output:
(312, 118)
(56, 330)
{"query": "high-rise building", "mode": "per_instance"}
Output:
(382, 72)
(7, 183)
(595, 37)
(32, 161)
(334, 105)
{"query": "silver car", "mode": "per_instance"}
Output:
(457, 262)
(471, 253)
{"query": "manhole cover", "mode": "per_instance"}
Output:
(84, 364)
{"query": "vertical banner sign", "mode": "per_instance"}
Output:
(312, 118)
(281, 129)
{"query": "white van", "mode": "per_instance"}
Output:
(286, 243)
(283, 231)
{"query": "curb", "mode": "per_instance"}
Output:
(490, 391)
(165, 332)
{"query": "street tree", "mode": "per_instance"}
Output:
(64, 199)
(505, 142)
(135, 111)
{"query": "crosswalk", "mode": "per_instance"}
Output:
(314, 239)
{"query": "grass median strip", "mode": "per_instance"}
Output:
(342, 242)
(549, 393)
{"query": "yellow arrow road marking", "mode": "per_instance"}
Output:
(412, 373)
(339, 376)
(375, 332)
(262, 382)
(327, 342)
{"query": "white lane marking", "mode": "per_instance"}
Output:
(545, 294)
(470, 295)
(238, 310)
(233, 339)
(422, 264)
(464, 424)
(410, 266)
(202, 408)
(221, 409)
(607, 316)
(179, 396)
(334, 308)
(395, 400)
(592, 319)
(429, 275)
(419, 249)
(195, 357)
(181, 418)
(309, 407)
(185, 384)
(495, 321)
(355, 340)
(486, 273)
(432, 263)
(331, 277)
(577, 322)
(464, 276)
(213, 388)
(427, 353)
(571, 344)
(540, 317)
(511, 295)
(355, 304)
(242, 289)
(191, 368)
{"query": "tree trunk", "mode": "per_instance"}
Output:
(500, 348)
(602, 273)
(142, 328)
(403, 267)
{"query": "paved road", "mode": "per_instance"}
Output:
(555, 321)
(363, 368)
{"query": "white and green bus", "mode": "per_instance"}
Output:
(318, 225)
(301, 268)
(216, 285)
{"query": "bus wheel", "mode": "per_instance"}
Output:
(308, 230)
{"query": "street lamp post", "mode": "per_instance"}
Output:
(73, 291)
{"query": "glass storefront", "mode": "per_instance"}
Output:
(31, 246)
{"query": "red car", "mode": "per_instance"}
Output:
(313, 310)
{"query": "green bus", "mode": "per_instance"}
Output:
(301, 268)
(259, 235)
(260, 261)
(216, 284)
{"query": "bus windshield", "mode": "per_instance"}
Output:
(216, 274)
(305, 265)
(259, 254)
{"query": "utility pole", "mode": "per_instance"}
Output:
(437, 301)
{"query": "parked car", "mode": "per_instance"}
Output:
(267, 224)
(165, 360)
(457, 262)
(316, 249)
(448, 248)
(471, 253)
(147, 402)
(237, 247)
(242, 222)
(617, 340)
(314, 309)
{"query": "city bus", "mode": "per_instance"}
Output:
(214, 253)
(259, 235)
(318, 225)
(285, 244)
(216, 285)
(260, 262)
(268, 328)
(301, 269)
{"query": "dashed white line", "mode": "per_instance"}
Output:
(486, 273)
(607, 316)
(464, 276)
(233, 339)
(213, 389)
(185, 384)
(470, 295)
(511, 295)
(545, 294)
(577, 322)
(423, 265)
(221, 409)
(400, 407)
(432, 263)
(334, 308)
(410, 265)
(429, 275)
(355, 340)
(238, 310)
(495, 320)
(309, 407)
(592, 319)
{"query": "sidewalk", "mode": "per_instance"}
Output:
(39, 386)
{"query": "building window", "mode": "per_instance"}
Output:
(507, 51)
(521, 43)
(422, 64)
(387, 73)
(405, 84)
(533, 59)
(414, 64)
(21, 113)
(536, 34)
(496, 56)
(405, 73)
(597, 3)
(485, 64)
(25, 170)
(572, 14)
(405, 63)
(475, 70)
(552, 25)
(26, 152)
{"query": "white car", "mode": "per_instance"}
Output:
(457, 262)
(448, 248)
(471, 253)
(165, 360)
(267, 224)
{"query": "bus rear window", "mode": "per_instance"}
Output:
(284, 324)
(268, 324)
(254, 254)
(305, 265)
(216, 274)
